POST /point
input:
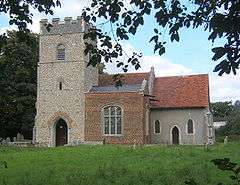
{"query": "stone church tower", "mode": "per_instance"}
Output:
(63, 78)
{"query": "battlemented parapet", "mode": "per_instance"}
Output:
(62, 82)
(63, 27)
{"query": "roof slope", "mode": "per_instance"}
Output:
(128, 79)
(181, 91)
(113, 88)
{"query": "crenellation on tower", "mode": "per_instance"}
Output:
(69, 25)
(55, 21)
(63, 78)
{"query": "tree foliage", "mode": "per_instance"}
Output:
(220, 17)
(221, 110)
(20, 11)
(18, 65)
(226, 111)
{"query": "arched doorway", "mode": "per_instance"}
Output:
(175, 136)
(61, 133)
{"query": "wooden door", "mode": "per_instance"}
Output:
(61, 133)
(175, 136)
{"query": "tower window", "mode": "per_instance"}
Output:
(61, 52)
(60, 85)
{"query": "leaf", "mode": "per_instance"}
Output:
(132, 30)
(162, 51)
(219, 53)
(137, 66)
(156, 47)
(141, 21)
(154, 38)
(119, 64)
(58, 3)
(174, 36)
(127, 20)
(155, 30)
(94, 19)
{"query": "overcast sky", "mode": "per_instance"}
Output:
(192, 55)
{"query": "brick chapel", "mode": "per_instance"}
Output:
(77, 105)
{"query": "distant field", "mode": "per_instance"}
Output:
(90, 165)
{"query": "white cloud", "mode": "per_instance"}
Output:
(225, 88)
(162, 66)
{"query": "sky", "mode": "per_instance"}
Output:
(192, 55)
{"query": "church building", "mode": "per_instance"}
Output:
(77, 105)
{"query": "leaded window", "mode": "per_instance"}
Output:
(190, 126)
(112, 120)
(61, 52)
(157, 127)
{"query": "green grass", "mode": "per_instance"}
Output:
(166, 165)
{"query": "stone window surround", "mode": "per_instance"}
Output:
(160, 129)
(102, 119)
(193, 127)
(57, 52)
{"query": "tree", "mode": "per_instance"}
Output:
(20, 12)
(233, 123)
(221, 110)
(220, 17)
(18, 70)
(226, 111)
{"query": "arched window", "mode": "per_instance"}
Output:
(61, 52)
(112, 120)
(157, 127)
(190, 126)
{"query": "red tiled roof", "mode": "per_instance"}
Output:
(128, 79)
(181, 91)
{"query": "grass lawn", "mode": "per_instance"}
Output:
(166, 165)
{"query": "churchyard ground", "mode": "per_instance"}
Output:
(108, 164)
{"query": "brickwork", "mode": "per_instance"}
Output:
(134, 115)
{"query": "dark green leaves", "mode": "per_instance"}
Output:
(175, 37)
(226, 165)
(18, 69)
(174, 16)
(154, 38)
(20, 12)
(219, 52)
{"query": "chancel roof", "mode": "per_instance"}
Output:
(181, 91)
